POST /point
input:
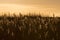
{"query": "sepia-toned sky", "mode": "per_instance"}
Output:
(38, 5)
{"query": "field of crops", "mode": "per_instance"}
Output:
(29, 28)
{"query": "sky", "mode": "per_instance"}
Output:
(35, 5)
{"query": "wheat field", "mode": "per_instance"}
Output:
(29, 27)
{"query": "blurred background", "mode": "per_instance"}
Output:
(45, 7)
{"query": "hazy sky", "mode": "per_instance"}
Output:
(54, 4)
(33, 2)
